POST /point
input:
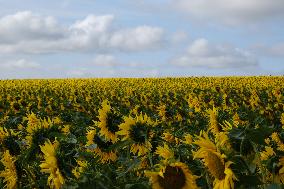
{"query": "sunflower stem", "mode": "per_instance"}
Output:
(259, 162)
(208, 181)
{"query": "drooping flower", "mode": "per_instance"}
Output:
(100, 147)
(215, 162)
(50, 164)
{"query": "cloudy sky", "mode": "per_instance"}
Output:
(140, 38)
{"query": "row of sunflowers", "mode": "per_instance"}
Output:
(168, 133)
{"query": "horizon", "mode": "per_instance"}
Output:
(141, 39)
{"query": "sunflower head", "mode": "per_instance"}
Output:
(50, 164)
(137, 130)
(215, 162)
(8, 140)
(10, 172)
(213, 123)
(165, 152)
(174, 175)
(109, 119)
(100, 146)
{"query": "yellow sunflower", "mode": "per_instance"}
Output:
(50, 165)
(108, 122)
(187, 139)
(267, 153)
(7, 140)
(10, 172)
(215, 162)
(36, 126)
(78, 170)
(101, 148)
(282, 120)
(3, 133)
(175, 175)
(280, 145)
(280, 177)
(213, 123)
(138, 131)
(165, 152)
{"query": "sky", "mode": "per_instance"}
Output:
(140, 38)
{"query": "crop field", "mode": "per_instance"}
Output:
(168, 133)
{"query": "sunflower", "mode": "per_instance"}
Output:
(275, 137)
(168, 137)
(50, 165)
(215, 162)
(282, 120)
(8, 140)
(187, 139)
(280, 176)
(108, 122)
(213, 123)
(137, 130)
(79, 169)
(267, 153)
(38, 129)
(175, 175)
(165, 152)
(10, 172)
(3, 133)
(100, 147)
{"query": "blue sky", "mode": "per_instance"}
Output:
(140, 38)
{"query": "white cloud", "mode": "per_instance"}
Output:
(25, 32)
(232, 12)
(139, 38)
(28, 26)
(203, 54)
(19, 64)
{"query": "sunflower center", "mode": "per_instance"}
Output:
(174, 177)
(139, 133)
(112, 122)
(102, 144)
(216, 166)
(10, 143)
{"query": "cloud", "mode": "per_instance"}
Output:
(20, 64)
(203, 54)
(28, 26)
(231, 12)
(178, 37)
(26, 32)
(139, 38)
(104, 60)
(275, 50)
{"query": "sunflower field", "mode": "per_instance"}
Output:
(167, 133)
